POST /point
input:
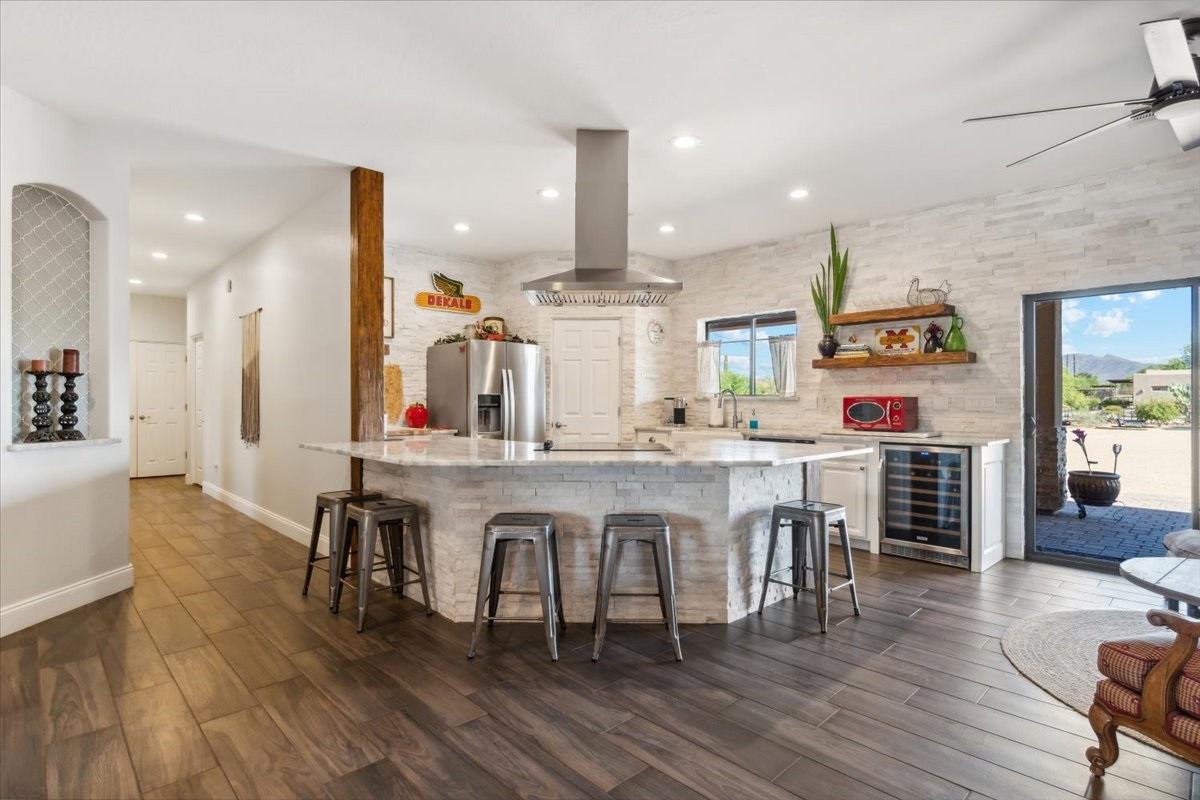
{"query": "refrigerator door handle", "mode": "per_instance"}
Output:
(506, 409)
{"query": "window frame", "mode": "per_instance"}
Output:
(767, 319)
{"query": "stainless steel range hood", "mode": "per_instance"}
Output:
(601, 276)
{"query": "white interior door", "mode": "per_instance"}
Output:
(585, 394)
(133, 425)
(197, 455)
(161, 388)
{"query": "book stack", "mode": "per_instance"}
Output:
(853, 351)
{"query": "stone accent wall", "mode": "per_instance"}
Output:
(718, 519)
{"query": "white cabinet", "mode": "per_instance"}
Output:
(849, 482)
(655, 437)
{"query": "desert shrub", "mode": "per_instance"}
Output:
(1113, 408)
(1157, 410)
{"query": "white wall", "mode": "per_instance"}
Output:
(417, 328)
(1122, 227)
(65, 535)
(157, 319)
(299, 274)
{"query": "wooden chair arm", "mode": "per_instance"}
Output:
(1158, 691)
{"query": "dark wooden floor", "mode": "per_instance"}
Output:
(213, 677)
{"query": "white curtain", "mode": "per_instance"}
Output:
(783, 363)
(708, 369)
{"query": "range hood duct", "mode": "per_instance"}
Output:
(601, 276)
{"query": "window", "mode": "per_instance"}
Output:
(746, 365)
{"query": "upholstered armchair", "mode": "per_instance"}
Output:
(1151, 685)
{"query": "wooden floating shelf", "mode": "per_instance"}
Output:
(915, 360)
(892, 314)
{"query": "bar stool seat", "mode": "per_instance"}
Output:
(540, 531)
(335, 504)
(815, 517)
(388, 516)
(619, 530)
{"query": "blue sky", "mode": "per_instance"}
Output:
(1144, 326)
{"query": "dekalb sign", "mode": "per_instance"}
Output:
(448, 297)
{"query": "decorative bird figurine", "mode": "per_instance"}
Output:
(447, 286)
(927, 297)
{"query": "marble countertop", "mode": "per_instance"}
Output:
(946, 438)
(457, 451)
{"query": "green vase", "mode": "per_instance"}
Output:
(955, 342)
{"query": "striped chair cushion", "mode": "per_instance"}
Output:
(1128, 661)
(1184, 727)
(1187, 689)
(1118, 699)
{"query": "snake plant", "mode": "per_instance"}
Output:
(828, 288)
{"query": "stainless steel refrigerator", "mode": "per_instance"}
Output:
(492, 390)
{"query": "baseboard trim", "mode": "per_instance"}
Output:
(276, 522)
(22, 614)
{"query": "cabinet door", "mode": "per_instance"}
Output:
(846, 484)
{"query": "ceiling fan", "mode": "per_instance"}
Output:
(1174, 93)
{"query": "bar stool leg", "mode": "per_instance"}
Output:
(667, 590)
(497, 579)
(343, 564)
(798, 565)
(845, 537)
(393, 547)
(556, 569)
(820, 534)
(419, 553)
(608, 575)
(367, 535)
(339, 540)
(600, 578)
(771, 542)
(312, 547)
(541, 554)
(662, 598)
(481, 597)
(805, 545)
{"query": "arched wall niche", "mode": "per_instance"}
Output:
(54, 249)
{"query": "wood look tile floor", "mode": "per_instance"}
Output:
(214, 677)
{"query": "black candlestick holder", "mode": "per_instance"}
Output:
(67, 420)
(41, 409)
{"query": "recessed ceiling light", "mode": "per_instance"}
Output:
(798, 194)
(462, 227)
(135, 281)
(685, 141)
(549, 193)
(159, 254)
(667, 228)
(192, 216)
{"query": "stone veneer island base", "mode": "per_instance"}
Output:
(717, 497)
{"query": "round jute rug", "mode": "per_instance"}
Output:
(1057, 651)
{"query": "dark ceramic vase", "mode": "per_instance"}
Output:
(1093, 488)
(828, 345)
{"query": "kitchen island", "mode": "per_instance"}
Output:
(717, 496)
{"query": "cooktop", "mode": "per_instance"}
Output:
(600, 447)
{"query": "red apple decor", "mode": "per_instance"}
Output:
(416, 415)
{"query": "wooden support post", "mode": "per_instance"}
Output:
(1049, 438)
(366, 311)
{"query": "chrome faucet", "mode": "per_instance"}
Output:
(721, 404)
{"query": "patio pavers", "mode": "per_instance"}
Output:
(1111, 534)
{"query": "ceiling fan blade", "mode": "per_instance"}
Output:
(1169, 54)
(1114, 104)
(1084, 135)
(1187, 131)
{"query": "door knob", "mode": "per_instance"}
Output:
(559, 425)
(141, 416)
(131, 416)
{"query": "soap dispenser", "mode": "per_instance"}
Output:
(753, 419)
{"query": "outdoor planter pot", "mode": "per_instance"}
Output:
(1093, 488)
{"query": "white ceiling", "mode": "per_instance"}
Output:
(469, 108)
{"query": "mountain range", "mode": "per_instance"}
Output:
(1106, 367)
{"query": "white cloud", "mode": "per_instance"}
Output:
(1071, 312)
(1106, 323)
(1068, 348)
(1111, 298)
(1146, 297)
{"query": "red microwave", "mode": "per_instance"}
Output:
(879, 413)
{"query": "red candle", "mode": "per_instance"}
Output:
(39, 365)
(70, 361)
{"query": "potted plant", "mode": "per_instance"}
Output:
(1090, 487)
(828, 289)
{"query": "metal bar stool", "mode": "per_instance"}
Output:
(390, 516)
(619, 530)
(335, 504)
(815, 517)
(500, 530)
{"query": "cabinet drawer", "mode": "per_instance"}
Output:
(654, 437)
